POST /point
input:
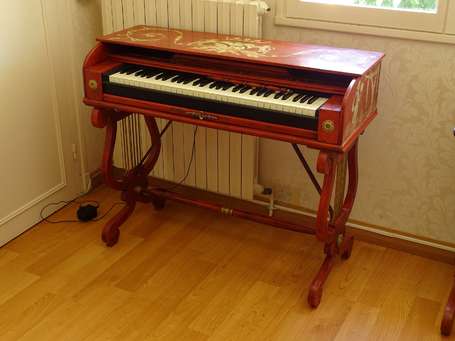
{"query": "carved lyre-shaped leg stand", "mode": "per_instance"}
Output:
(331, 224)
(135, 181)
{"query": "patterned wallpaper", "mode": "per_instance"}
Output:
(407, 156)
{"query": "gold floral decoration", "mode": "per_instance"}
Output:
(237, 46)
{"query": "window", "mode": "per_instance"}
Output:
(406, 5)
(415, 19)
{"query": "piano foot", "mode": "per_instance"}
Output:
(315, 291)
(346, 247)
(111, 232)
(333, 232)
(449, 314)
(158, 202)
(134, 181)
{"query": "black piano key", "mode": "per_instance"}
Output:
(227, 86)
(254, 91)
(261, 91)
(268, 93)
(196, 83)
(214, 84)
(287, 95)
(160, 76)
(138, 72)
(204, 82)
(279, 94)
(305, 98)
(176, 78)
(132, 70)
(151, 73)
(297, 98)
(143, 73)
(245, 89)
(237, 88)
(180, 79)
(127, 68)
(190, 79)
(168, 76)
(313, 99)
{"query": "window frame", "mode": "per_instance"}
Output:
(416, 25)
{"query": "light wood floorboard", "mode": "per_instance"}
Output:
(189, 274)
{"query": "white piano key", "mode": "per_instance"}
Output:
(220, 95)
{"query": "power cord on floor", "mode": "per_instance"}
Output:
(88, 210)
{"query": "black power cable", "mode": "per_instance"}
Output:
(88, 212)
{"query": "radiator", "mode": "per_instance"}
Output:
(222, 162)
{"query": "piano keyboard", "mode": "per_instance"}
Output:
(287, 101)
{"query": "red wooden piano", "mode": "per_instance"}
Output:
(317, 96)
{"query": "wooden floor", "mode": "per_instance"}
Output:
(188, 274)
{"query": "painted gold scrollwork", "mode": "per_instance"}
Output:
(366, 91)
(140, 34)
(236, 46)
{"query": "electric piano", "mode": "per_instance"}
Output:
(317, 96)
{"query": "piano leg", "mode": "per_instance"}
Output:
(333, 233)
(111, 231)
(135, 181)
(449, 314)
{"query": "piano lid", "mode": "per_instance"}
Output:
(270, 52)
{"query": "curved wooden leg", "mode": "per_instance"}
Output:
(346, 247)
(109, 118)
(315, 291)
(324, 232)
(111, 232)
(449, 314)
(325, 165)
(348, 203)
(347, 242)
(333, 234)
(157, 201)
(135, 180)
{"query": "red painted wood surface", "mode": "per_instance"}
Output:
(268, 52)
(449, 314)
(353, 94)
